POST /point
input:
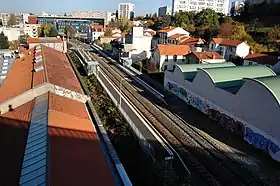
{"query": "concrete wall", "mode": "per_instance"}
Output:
(246, 112)
(242, 50)
(58, 46)
(11, 33)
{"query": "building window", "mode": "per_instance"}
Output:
(250, 63)
(166, 58)
(165, 67)
(175, 58)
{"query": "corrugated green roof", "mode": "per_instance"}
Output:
(224, 74)
(194, 67)
(272, 84)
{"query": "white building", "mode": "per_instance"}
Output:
(126, 10)
(164, 10)
(167, 32)
(271, 61)
(220, 6)
(107, 16)
(11, 33)
(30, 29)
(166, 55)
(237, 7)
(229, 48)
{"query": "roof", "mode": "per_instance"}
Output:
(167, 29)
(170, 49)
(223, 74)
(13, 135)
(194, 67)
(76, 157)
(45, 40)
(262, 58)
(207, 55)
(271, 84)
(190, 41)
(22, 77)
(227, 42)
(59, 71)
(176, 36)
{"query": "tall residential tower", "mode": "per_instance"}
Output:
(220, 6)
(126, 10)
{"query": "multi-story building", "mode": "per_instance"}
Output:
(126, 10)
(107, 16)
(80, 24)
(167, 32)
(220, 6)
(20, 18)
(30, 29)
(164, 10)
(228, 48)
(237, 7)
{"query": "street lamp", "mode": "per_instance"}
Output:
(125, 78)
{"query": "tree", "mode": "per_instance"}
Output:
(165, 21)
(69, 31)
(4, 43)
(207, 17)
(65, 14)
(107, 46)
(149, 23)
(139, 18)
(225, 30)
(14, 45)
(47, 30)
(124, 24)
(181, 18)
(12, 20)
(108, 32)
(23, 39)
(274, 33)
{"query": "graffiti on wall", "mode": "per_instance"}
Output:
(260, 142)
(217, 114)
(208, 108)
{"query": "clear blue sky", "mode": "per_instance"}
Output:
(59, 6)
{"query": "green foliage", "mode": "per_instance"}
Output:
(124, 24)
(23, 39)
(47, 30)
(12, 20)
(14, 45)
(165, 21)
(207, 17)
(274, 33)
(108, 32)
(107, 46)
(181, 18)
(69, 31)
(4, 43)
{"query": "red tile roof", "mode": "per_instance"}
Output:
(227, 42)
(264, 59)
(59, 71)
(177, 36)
(190, 41)
(44, 40)
(76, 157)
(167, 29)
(170, 49)
(13, 135)
(19, 78)
(207, 55)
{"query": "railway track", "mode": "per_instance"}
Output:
(206, 156)
(219, 164)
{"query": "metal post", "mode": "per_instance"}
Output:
(120, 102)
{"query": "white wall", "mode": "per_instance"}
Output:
(11, 33)
(177, 30)
(242, 50)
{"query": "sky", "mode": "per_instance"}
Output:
(60, 6)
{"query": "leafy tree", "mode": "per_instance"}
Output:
(165, 21)
(225, 30)
(12, 20)
(23, 39)
(65, 14)
(149, 23)
(107, 46)
(207, 17)
(108, 32)
(181, 18)
(190, 28)
(69, 31)
(274, 33)
(53, 32)
(139, 18)
(124, 24)
(14, 45)
(4, 43)
(154, 16)
(47, 30)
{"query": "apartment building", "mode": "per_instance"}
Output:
(126, 10)
(220, 6)
(164, 10)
